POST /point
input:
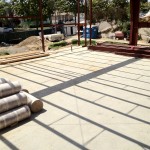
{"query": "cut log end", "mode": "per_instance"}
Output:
(25, 90)
(36, 106)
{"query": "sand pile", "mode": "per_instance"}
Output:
(32, 40)
(29, 44)
(32, 43)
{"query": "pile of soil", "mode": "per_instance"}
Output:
(32, 40)
(30, 44)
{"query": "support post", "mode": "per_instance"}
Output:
(91, 18)
(78, 22)
(134, 11)
(55, 23)
(85, 22)
(41, 23)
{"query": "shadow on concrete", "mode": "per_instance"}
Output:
(101, 126)
(83, 78)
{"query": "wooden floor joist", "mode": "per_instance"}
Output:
(21, 56)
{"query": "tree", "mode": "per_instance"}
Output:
(113, 11)
(5, 10)
(68, 6)
(145, 7)
(31, 8)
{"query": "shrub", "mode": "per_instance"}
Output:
(57, 44)
(82, 42)
(3, 53)
(74, 41)
(93, 42)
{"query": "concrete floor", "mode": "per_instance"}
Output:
(92, 100)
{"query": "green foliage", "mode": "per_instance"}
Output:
(5, 10)
(74, 41)
(2, 53)
(67, 6)
(111, 10)
(82, 42)
(124, 27)
(57, 44)
(31, 7)
(145, 7)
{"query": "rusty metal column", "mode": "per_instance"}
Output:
(85, 22)
(91, 18)
(134, 11)
(41, 23)
(78, 22)
(55, 23)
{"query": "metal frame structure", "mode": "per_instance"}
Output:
(135, 24)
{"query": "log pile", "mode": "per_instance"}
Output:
(15, 103)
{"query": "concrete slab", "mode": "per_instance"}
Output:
(92, 100)
(141, 113)
(110, 141)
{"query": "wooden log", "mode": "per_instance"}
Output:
(14, 116)
(25, 90)
(12, 101)
(9, 88)
(34, 103)
(2, 80)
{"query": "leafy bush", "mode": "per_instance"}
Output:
(74, 41)
(57, 44)
(82, 42)
(2, 53)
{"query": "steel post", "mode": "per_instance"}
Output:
(78, 22)
(91, 18)
(41, 23)
(85, 11)
(134, 10)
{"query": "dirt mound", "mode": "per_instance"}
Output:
(32, 43)
(32, 40)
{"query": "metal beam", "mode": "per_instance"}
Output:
(78, 22)
(91, 18)
(134, 11)
(85, 12)
(41, 22)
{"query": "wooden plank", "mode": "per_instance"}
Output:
(24, 57)
(19, 54)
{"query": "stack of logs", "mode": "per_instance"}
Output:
(16, 104)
